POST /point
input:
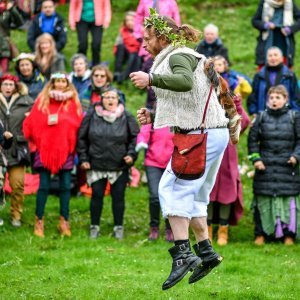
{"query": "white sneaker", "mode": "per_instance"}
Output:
(94, 231)
(119, 232)
(16, 223)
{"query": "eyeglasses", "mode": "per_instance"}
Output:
(7, 84)
(99, 75)
(110, 97)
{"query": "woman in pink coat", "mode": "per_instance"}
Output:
(167, 8)
(159, 146)
(93, 16)
(226, 198)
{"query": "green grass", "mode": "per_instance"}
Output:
(78, 268)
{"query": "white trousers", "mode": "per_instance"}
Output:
(189, 198)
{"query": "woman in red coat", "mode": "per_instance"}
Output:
(52, 126)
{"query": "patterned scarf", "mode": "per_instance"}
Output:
(109, 116)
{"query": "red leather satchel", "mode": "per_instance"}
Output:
(189, 155)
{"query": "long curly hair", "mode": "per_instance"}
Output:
(44, 96)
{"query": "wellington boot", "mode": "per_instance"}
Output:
(210, 259)
(210, 233)
(39, 227)
(259, 240)
(288, 241)
(183, 262)
(64, 227)
(222, 235)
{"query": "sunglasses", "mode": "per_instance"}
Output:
(99, 75)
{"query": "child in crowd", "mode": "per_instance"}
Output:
(52, 125)
(274, 149)
(237, 83)
(5, 143)
(159, 146)
(212, 45)
(126, 49)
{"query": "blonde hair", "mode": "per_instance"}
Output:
(44, 96)
(278, 89)
(39, 55)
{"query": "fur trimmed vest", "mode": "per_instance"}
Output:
(185, 109)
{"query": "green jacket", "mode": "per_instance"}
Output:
(12, 115)
(6, 18)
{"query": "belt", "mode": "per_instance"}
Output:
(177, 129)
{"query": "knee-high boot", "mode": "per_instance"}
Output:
(183, 261)
(209, 257)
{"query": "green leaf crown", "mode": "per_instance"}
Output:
(161, 28)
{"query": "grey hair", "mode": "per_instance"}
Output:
(213, 27)
(275, 48)
(77, 56)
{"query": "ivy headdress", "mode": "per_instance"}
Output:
(162, 29)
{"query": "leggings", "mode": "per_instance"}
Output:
(118, 199)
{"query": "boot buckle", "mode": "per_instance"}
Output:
(179, 262)
(182, 247)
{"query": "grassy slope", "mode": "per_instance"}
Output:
(78, 268)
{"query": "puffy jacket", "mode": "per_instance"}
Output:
(257, 100)
(59, 34)
(273, 139)
(13, 118)
(160, 145)
(103, 144)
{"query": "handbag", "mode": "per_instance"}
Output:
(189, 154)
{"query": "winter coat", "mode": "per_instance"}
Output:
(243, 88)
(13, 118)
(228, 186)
(81, 84)
(273, 139)
(259, 24)
(4, 143)
(257, 100)
(102, 12)
(214, 49)
(126, 38)
(160, 145)
(6, 18)
(59, 34)
(57, 65)
(34, 84)
(104, 144)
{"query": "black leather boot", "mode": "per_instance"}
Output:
(183, 261)
(210, 259)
